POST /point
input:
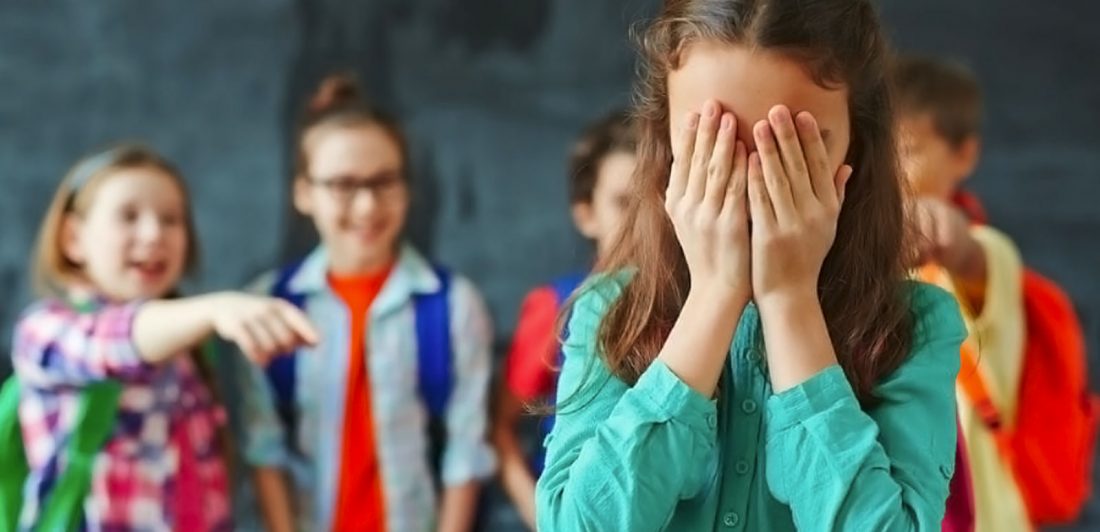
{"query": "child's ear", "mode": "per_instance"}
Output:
(585, 219)
(70, 239)
(303, 197)
(967, 156)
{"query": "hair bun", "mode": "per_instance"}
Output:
(334, 91)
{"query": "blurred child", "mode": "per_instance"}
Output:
(940, 107)
(106, 358)
(382, 426)
(600, 170)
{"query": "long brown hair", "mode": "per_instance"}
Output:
(53, 272)
(861, 285)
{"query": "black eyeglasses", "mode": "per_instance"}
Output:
(344, 189)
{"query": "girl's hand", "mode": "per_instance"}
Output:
(705, 200)
(262, 327)
(795, 199)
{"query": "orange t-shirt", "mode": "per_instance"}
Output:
(360, 503)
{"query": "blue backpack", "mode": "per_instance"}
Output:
(434, 360)
(563, 287)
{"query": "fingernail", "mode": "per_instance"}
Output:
(710, 109)
(762, 129)
(727, 121)
(783, 115)
(691, 121)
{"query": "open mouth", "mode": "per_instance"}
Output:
(149, 269)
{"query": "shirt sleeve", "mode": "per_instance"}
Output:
(530, 367)
(54, 345)
(607, 460)
(468, 455)
(840, 467)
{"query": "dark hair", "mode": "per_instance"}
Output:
(338, 103)
(861, 286)
(946, 90)
(611, 134)
(53, 271)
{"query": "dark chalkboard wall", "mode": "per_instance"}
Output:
(492, 92)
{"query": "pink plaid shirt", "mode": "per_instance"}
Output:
(162, 469)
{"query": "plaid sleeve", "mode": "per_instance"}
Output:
(468, 455)
(55, 345)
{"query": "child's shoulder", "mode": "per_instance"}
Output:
(936, 315)
(48, 307)
(596, 295)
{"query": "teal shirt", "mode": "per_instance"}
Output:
(660, 456)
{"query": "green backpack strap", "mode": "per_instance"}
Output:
(13, 461)
(96, 419)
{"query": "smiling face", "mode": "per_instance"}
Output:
(354, 189)
(131, 240)
(749, 82)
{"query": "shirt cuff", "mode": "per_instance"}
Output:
(826, 390)
(468, 461)
(665, 397)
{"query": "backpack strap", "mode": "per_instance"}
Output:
(970, 378)
(282, 370)
(95, 421)
(435, 364)
(13, 460)
(565, 285)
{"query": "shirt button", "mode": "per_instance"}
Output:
(712, 420)
(731, 519)
(742, 467)
(754, 355)
(748, 406)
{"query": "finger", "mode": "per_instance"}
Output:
(721, 162)
(760, 206)
(945, 234)
(704, 146)
(683, 143)
(775, 178)
(842, 177)
(739, 180)
(817, 160)
(791, 154)
(277, 327)
(299, 323)
(265, 340)
(247, 344)
(932, 232)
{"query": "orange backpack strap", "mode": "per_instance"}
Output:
(973, 385)
(970, 378)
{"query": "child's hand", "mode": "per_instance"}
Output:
(944, 232)
(795, 199)
(262, 327)
(705, 200)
